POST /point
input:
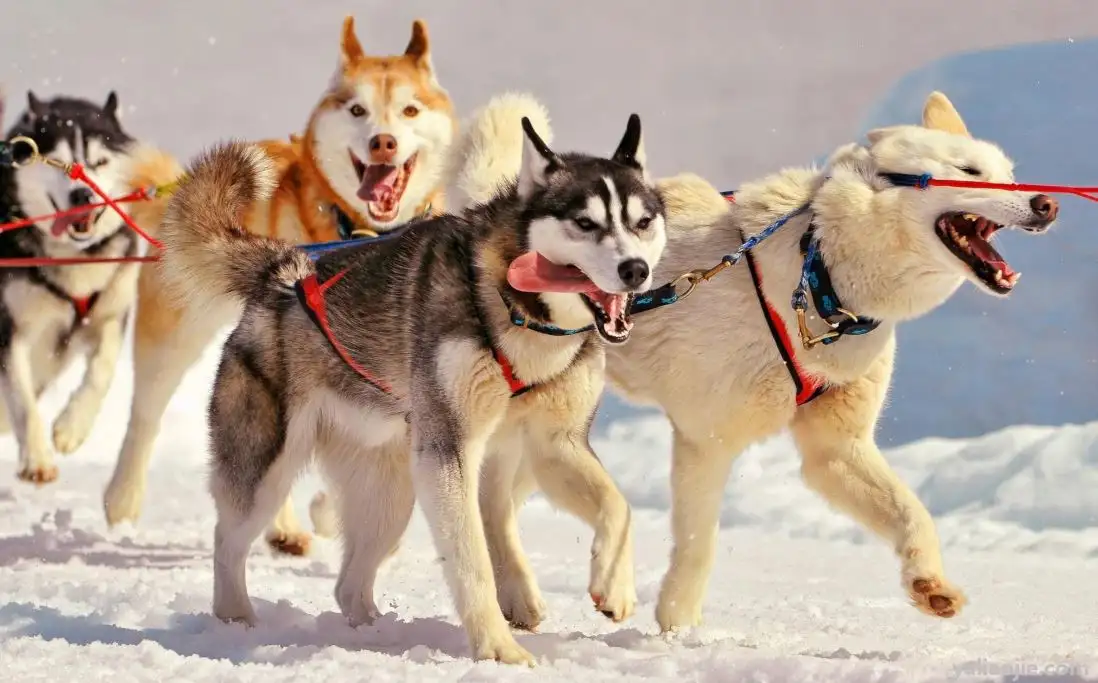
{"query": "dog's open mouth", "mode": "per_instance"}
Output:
(78, 227)
(532, 272)
(381, 186)
(968, 236)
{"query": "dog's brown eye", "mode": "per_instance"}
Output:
(643, 223)
(411, 111)
(97, 164)
(970, 170)
(585, 224)
(357, 110)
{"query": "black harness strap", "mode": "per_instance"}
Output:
(81, 306)
(807, 388)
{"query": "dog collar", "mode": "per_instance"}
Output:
(349, 230)
(525, 322)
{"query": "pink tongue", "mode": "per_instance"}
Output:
(982, 249)
(378, 183)
(62, 223)
(532, 272)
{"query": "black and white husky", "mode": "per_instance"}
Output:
(470, 336)
(48, 314)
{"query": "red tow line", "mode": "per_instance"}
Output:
(79, 173)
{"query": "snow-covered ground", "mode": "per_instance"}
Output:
(798, 594)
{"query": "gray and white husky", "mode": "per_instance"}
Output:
(50, 313)
(465, 336)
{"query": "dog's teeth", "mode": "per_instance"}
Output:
(998, 275)
(1013, 279)
(963, 242)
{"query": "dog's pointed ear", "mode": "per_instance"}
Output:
(419, 46)
(940, 114)
(110, 107)
(630, 150)
(350, 50)
(877, 134)
(35, 107)
(537, 160)
(419, 49)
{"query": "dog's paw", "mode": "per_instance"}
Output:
(612, 588)
(71, 428)
(521, 602)
(674, 616)
(619, 602)
(38, 473)
(935, 596)
(503, 649)
(363, 614)
(290, 543)
(122, 501)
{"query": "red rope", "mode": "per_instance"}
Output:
(1084, 192)
(139, 195)
(77, 173)
(31, 261)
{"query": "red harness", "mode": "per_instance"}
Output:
(310, 292)
(81, 306)
(807, 387)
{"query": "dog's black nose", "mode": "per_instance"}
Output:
(1045, 207)
(633, 272)
(80, 196)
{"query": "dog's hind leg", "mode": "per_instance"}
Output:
(18, 384)
(259, 446)
(164, 348)
(506, 481)
(842, 463)
(373, 491)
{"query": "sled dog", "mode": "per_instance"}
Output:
(50, 315)
(464, 337)
(720, 363)
(368, 162)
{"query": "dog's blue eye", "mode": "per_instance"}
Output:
(970, 170)
(585, 224)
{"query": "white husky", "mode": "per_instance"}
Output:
(720, 362)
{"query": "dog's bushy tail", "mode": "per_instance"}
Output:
(488, 153)
(208, 254)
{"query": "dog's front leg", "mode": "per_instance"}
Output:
(571, 476)
(77, 419)
(699, 471)
(445, 471)
(842, 463)
(456, 409)
(17, 380)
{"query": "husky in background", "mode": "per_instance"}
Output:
(369, 161)
(720, 363)
(51, 315)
